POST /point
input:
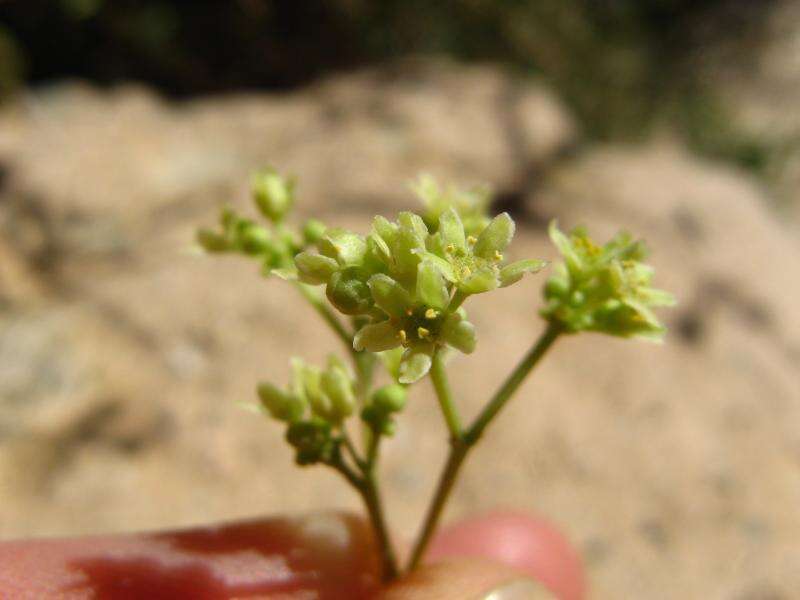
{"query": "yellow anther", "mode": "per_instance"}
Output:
(422, 332)
(403, 337)
(472, 239)
(465, 272)
(431, 314)
(498, 255)
(450, 248)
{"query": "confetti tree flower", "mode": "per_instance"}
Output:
(395, 297)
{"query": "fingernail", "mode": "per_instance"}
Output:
(520, 589)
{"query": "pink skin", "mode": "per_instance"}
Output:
(526, 543)
(270, 558)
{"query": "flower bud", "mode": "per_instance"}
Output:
(390, 398)
(211, 241)
(348, 291)
(313, 231)
(312, 441)
(556, 287)
(255, 240)
(273, 194)
(337, 387)
(280, 404)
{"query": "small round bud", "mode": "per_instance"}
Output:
(313, 231)
(390, 398)
(348, 291)
(273, 194)
(255, 240)
(556, 287)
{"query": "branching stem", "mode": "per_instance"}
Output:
(462, 443)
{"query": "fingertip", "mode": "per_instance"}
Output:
(330, 554)
(451, 579)
(528, 544)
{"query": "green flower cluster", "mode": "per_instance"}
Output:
(316, 404)
(603, 288)
(274, 246)
(409, 283)
(471, 204)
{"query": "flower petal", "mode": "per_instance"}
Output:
(565, 247)
(415, 364)
(445, 268)
(345, 246)
(496, 237)
(389, 295)
(315, 268)
(452, 229)
(460, 334)
(513, 272)
(478, 282)
(431, 287)
(376, 337)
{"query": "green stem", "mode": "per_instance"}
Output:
(365, 368)
(327, 315)
(438, 374)
(456, 301)
(367, 487)
(348, 473)
(461, 445)
(373, 446)
(458, 452)
(351, 449)
(517, 376)
(372, 501)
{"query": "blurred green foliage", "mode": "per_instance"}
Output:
(11, 68)
(622, 65)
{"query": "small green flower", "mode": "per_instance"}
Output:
(603, 288)
(421, 322)
(346, 261)
(475, 265)
(472, 205)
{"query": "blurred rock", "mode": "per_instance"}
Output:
(123, 358)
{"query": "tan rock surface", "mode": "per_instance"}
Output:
(675, 468)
